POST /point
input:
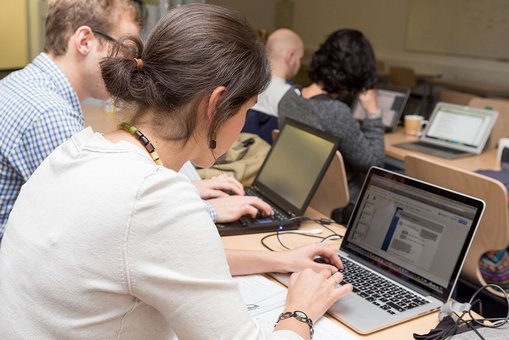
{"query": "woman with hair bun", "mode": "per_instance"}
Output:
(107, 240)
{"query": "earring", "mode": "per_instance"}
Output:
(212, 142)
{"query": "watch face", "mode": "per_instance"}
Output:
(300, 315)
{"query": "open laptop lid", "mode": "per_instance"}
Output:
(460, 127)
(295, 166)
(416, 231)
(391, 100)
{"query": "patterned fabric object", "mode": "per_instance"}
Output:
(495, 268)
(39, 110)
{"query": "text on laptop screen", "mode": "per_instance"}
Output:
(294, 165)
(411, 231)
(390, 102)
(459, 126)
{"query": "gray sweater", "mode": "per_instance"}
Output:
(361, 146)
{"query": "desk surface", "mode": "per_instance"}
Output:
(486, 160)
(404, 330)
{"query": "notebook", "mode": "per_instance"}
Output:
(288, 178)
(391, 100)
(454, 131)
(403, 250)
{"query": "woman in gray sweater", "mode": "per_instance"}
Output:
(344, 64)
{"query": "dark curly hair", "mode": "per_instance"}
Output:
(344, 62)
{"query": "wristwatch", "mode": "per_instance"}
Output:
(375, 115)
(299, 315)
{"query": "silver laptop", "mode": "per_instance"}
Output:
(391, 101)
(403, 250)
(454, 131)
(287, 179)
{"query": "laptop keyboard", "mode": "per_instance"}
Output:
(432, 149)
(379, 291)
(279, 215)
(438, 147)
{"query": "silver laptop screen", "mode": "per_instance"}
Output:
(460, 127)
(415, 232)
(391, 102)
(295, 163)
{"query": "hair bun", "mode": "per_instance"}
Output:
(139, 64)
(121, 71)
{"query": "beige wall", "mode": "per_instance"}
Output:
(384, 22)
(21, 31)
(36, 14)
(13, 34)
(260, 13)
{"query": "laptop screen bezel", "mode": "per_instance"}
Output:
(404, 91)
(478, 204)
(455, 145)
(272, 195)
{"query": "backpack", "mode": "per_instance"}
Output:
(242, 160)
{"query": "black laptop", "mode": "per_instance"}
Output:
(287, 179)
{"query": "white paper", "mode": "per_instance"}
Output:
(266, 300)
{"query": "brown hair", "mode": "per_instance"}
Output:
(66, 16)
(192, 50)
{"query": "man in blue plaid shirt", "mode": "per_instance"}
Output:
(40, 104)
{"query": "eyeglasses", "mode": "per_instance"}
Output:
(117, 46)
(105, 36)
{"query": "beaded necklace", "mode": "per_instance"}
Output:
(143, 140)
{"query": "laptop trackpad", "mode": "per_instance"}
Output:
(352, 310)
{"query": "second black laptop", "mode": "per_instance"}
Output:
(287, 179)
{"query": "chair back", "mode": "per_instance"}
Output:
(402, 76)
(333, 190)
(493, 230)
(501, 127)
(380, 65)
(455, 97)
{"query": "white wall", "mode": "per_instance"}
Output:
(384, 23)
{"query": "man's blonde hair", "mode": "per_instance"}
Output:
(66, 16)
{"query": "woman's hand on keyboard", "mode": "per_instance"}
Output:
(220, 186)
(231, 208)
(314, 293)
(298, 259)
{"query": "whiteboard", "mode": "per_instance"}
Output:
(477, 28)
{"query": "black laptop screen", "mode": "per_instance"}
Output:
(418, 231)
(294, 167)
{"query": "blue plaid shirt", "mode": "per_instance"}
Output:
(39, 110)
